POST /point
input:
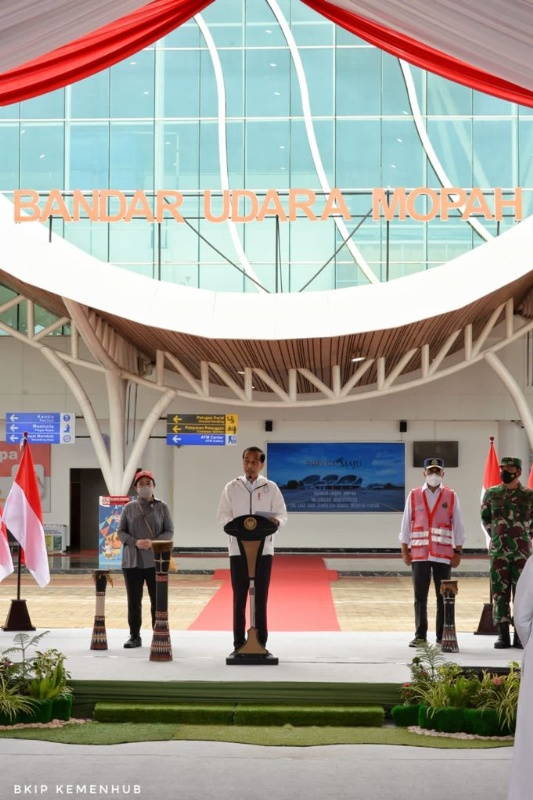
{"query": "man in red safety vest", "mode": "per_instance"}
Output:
(432, 537)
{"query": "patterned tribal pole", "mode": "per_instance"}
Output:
(99, 637)
(449, 637)
(161, 648)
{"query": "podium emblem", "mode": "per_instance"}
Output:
(250, 523)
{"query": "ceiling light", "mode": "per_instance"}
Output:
(358, 358)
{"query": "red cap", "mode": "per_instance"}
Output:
(143, 474)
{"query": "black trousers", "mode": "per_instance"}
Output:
(135, 578)
(421, 572)
(241, 584)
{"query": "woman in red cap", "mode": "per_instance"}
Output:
(142, 521)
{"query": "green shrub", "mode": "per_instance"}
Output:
(157, 712)
(485, 722)
(62, 707)
(405, 716)
(343, 716)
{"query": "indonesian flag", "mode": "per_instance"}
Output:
(6, 562)
(530, 479)
(23, 517)
(490, 478)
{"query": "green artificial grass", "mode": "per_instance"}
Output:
(239, 714)
(158, 713)
(309, 716)
(88, 693)
(97, 733)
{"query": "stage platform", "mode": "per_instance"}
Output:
(345, 657)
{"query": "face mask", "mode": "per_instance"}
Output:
(433, 480)
(145, 492)
(507, 477)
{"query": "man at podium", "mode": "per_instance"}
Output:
(251, 493)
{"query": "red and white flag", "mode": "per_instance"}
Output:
(491, 477)
(530, 478)
(23, 518)
(6, 562)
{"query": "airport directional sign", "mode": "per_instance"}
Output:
(202, 429)
(42, 427)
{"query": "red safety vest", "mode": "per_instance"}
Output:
(432, 531)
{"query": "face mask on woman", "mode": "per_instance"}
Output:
(145, 492)
(433, 480)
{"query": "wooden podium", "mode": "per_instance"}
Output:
(251, 530)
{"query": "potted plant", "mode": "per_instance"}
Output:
(12, 702)
(447, 698)
(34, 688)
(424, 673)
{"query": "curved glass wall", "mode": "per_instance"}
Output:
(262, 95)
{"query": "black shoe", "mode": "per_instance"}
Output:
(516, 642)
(417, 642)
(133, 641)
(504, 638)
(235, 654)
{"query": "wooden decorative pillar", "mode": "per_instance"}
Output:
(448, 590)
(161, 648)
(99, 637)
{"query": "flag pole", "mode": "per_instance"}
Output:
(19, 569)
(486, 626)
(18, 617)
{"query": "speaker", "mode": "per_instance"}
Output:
(403, 426)
(269, 425)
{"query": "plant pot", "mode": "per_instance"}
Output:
(405, 715)
(41, 712)
(62, 707)
(485, 722)
(444, 720)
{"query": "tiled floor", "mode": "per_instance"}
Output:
(362, 603)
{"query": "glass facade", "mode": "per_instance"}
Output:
(257, 95)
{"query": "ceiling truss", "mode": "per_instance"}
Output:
(216, 384)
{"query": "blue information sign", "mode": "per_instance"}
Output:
(199, 438)
(42, 428)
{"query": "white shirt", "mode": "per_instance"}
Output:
(263, 497)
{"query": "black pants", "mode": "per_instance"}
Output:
(240, 584)
(421, 572)
(135, 578)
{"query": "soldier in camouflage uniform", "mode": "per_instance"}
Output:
(506, 514)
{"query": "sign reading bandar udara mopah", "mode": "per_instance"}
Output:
(244, 206)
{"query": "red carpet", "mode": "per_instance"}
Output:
(299, 598)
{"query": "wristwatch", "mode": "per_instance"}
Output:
(459, 552)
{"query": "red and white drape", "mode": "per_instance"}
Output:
(47, 44)
(98, 49)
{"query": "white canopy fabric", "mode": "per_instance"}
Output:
(60, 268)
(31, 28)
(493, 35)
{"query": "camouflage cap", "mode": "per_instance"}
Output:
(436, 463)
(511, 462)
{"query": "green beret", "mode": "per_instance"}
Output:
(511, 462)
